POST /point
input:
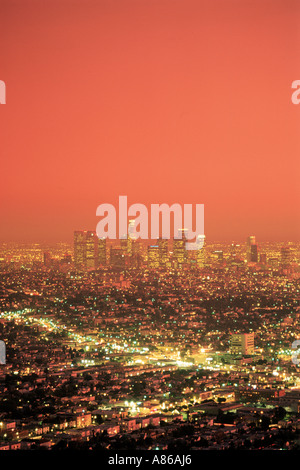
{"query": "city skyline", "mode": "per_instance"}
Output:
(88, 252)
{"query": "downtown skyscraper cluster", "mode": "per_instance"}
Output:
(89, 250)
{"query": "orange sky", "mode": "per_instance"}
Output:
(162, 101)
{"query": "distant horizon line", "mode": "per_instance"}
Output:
(117, 241)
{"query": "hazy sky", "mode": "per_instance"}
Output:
(162, 101)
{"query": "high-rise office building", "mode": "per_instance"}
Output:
(179, 248)
(89, 250)
(126, 245)
(128, 240)
(179, 252)
(253, 254)
(80, 249)
(242, 343)
(47, 259)
(251, 240)
(201, 255)
(163, 247)
(135, 257)
(117, 257)
(285, 257)
(235, 253)
(263, 258)
(252, 249)
(101, 259)
(153, 257)
(132, 235)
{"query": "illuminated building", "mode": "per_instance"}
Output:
(252, 251)
(218, 256)
(117, 257)
(101, 252)
(234, 252)
(253, 254)
(163, 246)
(132, 235)
(201, 253)
(258, 394)
(251, 240)
(273, 262)
(242, 344)
(91, 240)
(153, 256)
(179, 249)
(80, 249)
(89, 250)
(136, 247)
(179, 252)
(127, 241)
(263, 258)
(285, 256)
(47, 259)
(126, 245)
(135, 259)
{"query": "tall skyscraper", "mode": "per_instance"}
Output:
(252, 249)
(80, 249)
(179, 252)
(263, 258)
(234, 252)
(117, 257)
(126, 245)
(47, 259)
(285, 256)
(153, 256)
(201, 258)
(251, 240)
(101, 252)
(132, 230)
(163, 247)
(179, 249)
(253, 255)
(89, 250)
(135, 259)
